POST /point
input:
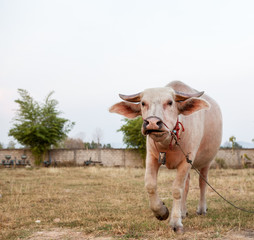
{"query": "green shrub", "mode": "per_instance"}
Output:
(221, 163)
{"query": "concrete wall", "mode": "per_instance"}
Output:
(124, 157)
(16, 154)
(236, 158)
(108, 157)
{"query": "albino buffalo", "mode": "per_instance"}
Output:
(196, 123)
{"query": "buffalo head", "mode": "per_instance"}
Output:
(159, 108)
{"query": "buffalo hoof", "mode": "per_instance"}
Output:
(200, 212)
(178, 230)
(164, 217)
(185, 215)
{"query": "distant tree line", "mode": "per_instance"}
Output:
(11, 145)
(77, 143)
(232, 144)
(68, 143)
(94, 145)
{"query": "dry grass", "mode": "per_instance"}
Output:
(111, 203)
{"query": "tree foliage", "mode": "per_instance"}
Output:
(38, 126)
(77, 143)
(132, 135)
(94, 145)
(232, 139)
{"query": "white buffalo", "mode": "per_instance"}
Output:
(175, 110)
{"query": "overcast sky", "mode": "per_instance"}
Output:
(89, 51)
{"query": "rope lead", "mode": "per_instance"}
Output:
(190, 162)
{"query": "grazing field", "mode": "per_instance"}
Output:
(111, 203)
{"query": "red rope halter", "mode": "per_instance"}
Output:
(176, 131)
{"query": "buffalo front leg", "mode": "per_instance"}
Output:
(179, 196)
(202, 185)
(157, 206)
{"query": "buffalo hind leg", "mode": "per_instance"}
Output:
(202, 185)
(184, 198)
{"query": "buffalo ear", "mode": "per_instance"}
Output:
(129, 110)
(192, 105)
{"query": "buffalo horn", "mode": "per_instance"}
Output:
(180, 96)
(131, 98)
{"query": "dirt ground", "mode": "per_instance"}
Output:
(70, 234)
(63, 234)
(239, 235)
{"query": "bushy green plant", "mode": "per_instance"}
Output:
(221, 162)
(132, 135)
(38, 126)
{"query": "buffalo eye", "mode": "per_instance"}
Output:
(143, 104)
(170, 103)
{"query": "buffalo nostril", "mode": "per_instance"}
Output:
(159, 124)
(145, 123)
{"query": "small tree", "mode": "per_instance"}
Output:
(1, 145)
(133, 137)
(108, 146)
(232, 139)
(97, 136)
(234, 143)
(11, 145)
(39, 126)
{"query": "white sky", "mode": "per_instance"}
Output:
(89, 51)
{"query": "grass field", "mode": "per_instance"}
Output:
(111, 203)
